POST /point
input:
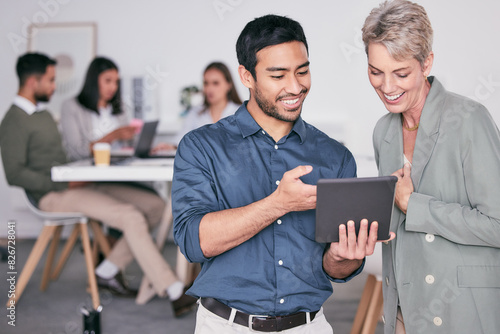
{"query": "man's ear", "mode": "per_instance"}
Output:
(246, 77)
(28, 85)
(31, 82)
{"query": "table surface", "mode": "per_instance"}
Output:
(133, 170)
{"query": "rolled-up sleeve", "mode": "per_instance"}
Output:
(350, 277)
(193, 196)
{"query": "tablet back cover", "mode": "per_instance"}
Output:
(341, 200)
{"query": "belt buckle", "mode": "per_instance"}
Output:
(250, 322)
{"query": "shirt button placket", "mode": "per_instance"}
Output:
(277, 171)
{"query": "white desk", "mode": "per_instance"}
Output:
(134, 170)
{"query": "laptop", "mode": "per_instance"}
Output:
(143, 146)
(341, 200)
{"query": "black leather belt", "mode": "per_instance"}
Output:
(258, 323)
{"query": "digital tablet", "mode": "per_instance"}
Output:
(341, 200)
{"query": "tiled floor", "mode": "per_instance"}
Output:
(57, 310)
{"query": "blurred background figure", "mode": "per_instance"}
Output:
(96, 114)
(220, 99)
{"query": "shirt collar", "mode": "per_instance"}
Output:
(27, 105)
(248, 126)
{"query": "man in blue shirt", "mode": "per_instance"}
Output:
(244, 196)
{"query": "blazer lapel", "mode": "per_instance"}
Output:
(392, 151)
(428, 132)
(393, 146)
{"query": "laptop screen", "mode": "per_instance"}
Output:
(146, 137)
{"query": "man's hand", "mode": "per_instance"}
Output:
(223, 230)
(404, 187)
(345, 256)
(293, 194)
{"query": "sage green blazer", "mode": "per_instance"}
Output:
(443, 268)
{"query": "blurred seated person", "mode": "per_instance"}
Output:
(31, 144)
(220, 99)
(96, 114)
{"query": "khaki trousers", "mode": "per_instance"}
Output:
(209, 323)
(129, 208)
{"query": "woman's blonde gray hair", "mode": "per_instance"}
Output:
(403, 27)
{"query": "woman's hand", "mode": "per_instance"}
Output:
(163, 147)
(404, 187)
(124, 133)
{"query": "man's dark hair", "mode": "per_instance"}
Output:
(89, 96)
(32, 64)
(266, 31)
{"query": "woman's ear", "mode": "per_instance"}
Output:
(246, 77)
(428, 64)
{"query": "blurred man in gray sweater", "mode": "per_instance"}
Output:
(31, 144)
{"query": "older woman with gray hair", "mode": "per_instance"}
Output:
(442, 271)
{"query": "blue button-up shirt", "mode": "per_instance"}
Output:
(233, 163)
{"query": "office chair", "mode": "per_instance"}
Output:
(53, 224)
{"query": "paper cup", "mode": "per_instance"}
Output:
(102, 154)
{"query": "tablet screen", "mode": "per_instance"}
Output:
(341, 200)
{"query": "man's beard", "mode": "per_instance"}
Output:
(271, 110)
(42, 97)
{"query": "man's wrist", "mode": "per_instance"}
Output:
(344, 268)
(276, 205)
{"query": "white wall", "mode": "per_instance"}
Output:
(176, 39)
